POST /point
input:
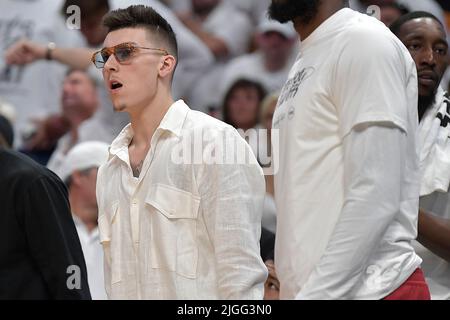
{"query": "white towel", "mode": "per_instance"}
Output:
(434, 137)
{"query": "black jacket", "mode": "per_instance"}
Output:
(40, 252)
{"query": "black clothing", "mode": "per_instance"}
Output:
(39, 245)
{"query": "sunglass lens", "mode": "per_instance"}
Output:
(123, 54)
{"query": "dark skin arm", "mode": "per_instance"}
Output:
(434, 234)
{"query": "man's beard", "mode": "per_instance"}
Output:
(287, 10)
(425, 103)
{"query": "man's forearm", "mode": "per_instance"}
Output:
(434, 234)
(77, 58)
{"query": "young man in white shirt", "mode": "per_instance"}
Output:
(79, 173)
(171, 229)
(348, 183)
(424, 36)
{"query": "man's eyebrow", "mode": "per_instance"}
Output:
(414, 36)
(443, 41)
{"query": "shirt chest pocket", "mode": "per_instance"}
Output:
(172, 215)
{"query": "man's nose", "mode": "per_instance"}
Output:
(428, 56)
(111, 64)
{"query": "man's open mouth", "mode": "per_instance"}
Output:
(115, 85)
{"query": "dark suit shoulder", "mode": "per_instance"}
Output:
(17, 167)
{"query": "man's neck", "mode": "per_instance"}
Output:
(326, 10)
(145, 122)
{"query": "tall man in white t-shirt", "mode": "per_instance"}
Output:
(348, 186)
(424, 36)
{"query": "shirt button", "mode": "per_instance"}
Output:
(135, 202)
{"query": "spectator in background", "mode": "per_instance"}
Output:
(391, 11)
(424, 36)
(92, 13)
(255, 9)
(79, 172)
(431, 6)
(40, 253)
(210, 21)
(32, 90)
(79, 103)
(195, 58)
(270, 64)
(242, 103)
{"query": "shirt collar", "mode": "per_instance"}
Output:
(173, 121)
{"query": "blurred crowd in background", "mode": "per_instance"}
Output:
(233, 61)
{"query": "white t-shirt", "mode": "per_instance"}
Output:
(436, 269)
(34, 90)
(347, 187)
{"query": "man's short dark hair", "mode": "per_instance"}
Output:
(397, 25)
(140, 16)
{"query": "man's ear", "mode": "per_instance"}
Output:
(167, 66)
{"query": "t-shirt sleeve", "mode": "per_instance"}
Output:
(370, 81)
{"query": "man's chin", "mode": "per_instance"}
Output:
(120, 107)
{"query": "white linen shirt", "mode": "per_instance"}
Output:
(181, 231)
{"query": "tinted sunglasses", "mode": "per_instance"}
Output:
(122, 52)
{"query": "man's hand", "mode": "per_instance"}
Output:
(25, 52)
